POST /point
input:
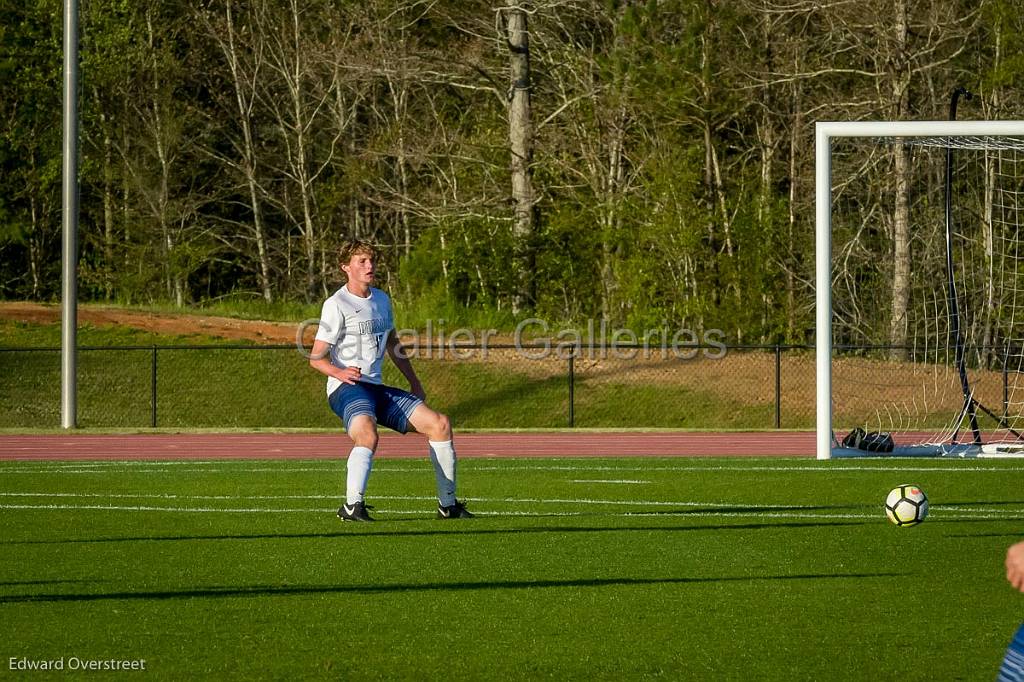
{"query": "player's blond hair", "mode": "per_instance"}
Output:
(351, 247)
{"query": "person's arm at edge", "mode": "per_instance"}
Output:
(1015, 565)
(401, 359)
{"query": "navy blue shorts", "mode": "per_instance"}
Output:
(1013, 663)
(389, 406)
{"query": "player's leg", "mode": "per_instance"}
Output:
(438, 429)
(362, 429)
(404, 412)
(356, 406)
(431, 423)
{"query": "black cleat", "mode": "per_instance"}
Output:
(353, 512)
(454, 511)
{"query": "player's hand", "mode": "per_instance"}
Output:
(1015, 565)
(350, 375)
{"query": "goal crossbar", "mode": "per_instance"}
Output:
(825, 131)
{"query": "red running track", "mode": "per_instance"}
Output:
(321, 446)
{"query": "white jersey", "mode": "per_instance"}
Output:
(357, 329)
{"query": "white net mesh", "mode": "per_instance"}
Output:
(976, 142)
(908, 378)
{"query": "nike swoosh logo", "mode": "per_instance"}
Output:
(357, 310)
(348, 510)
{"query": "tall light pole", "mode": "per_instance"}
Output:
(69, 225)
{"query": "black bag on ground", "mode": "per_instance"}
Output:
(873, 441)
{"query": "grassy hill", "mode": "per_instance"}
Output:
(218, 383)
(198, 380)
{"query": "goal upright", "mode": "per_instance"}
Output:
(942, 342)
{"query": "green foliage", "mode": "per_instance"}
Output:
(475, 256)
(567, 265)
(1005, 32)
(662, 134)
(30, 145)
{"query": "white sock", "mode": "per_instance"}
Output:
(442, 455)
(360, 461)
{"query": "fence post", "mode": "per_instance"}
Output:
(778, 386)
(572, 389)
(152, 387)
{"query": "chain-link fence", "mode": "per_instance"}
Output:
(748, 387)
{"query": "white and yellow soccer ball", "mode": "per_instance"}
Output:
(906, 505)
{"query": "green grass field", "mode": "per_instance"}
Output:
(777, 569)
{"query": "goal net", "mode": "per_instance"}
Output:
(920, 271)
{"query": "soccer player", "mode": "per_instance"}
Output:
(1013, 664)
(356, 329)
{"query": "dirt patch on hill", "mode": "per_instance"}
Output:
(186, 324)
(180, 324)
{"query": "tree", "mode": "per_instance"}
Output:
(232, 30)
(294, 93)
(521, 147)
(30, 151)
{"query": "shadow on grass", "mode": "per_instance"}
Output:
(1008, 519)
(461, 531)
(302, 590)
(985, 503)
(753, 510)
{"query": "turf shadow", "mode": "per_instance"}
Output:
(1008, 519)
(459, 532)
(983, 503)
(302, 590)
(751, 509)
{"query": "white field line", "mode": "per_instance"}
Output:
(198, 510)
(470, 465)
(489, 500)
(104, 470)
(607, 480)
(796, 468)
(424, 498)
(259, 510)
(171, 496)
(983, 510)
(712, 508)
(489, 463)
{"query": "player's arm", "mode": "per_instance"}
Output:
(401, 359)
(320, 360)
(1015, 565)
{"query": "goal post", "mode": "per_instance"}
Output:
(976, 135)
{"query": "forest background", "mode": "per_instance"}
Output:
(643, 163)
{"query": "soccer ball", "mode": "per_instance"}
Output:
(906, 505)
